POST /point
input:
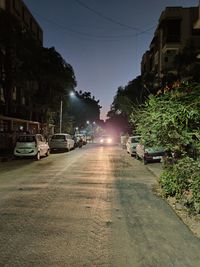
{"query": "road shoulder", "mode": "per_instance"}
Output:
(193, 222)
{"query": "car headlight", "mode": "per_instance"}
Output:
(109, 140)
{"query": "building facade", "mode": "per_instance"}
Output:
(176, 30)
(22, 13)
(18, 118)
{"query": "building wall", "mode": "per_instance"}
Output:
(20, 10)
(167, 42)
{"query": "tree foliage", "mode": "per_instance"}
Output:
(171, 119)
(83, 107)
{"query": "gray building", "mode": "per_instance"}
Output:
(177, 28)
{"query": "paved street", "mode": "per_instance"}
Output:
(91, 207)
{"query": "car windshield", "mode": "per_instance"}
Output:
(58, 137)
(106, 137)
(26, 138)
(135, 140)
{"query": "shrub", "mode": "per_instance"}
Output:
(194, 201)
(176, 179)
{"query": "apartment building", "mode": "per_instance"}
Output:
(177, 28)
(22, 13)
(9, 91)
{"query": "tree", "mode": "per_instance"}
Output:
(84, 107)
(172, 119)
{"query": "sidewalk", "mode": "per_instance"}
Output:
(6, 156)
(155, 168)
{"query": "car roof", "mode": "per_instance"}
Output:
(61, 134)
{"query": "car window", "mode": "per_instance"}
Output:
(26, 138)
(39, 137)
(135, 140)
(58, 137)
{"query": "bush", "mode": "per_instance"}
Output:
(182, 180)
(194, 202)
(176, 179)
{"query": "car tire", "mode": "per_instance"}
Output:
(145, 161)
(37, 157)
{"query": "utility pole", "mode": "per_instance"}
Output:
(61, 116)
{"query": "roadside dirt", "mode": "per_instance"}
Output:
(192, 221)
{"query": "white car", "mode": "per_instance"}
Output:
(61, 141)
(131, 144)
(31, 145)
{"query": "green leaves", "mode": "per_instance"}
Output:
(170, 119)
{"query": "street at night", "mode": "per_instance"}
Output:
(93, 206)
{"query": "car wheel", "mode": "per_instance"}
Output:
(145, 161)
(37, 157)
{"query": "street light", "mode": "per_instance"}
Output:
(72, 94)
(61, 103)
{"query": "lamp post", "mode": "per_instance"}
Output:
(61, 103)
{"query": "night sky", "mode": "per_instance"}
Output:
(103, 40)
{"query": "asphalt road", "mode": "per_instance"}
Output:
(90, 207)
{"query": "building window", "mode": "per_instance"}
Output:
(196, 32)
(172, 31)
(14, 5)
(23, 13)
(14, 94)
(2, 99)
(23, 100)
(166, 59)
(31, 24)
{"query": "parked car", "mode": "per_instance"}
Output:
(61, 141)
(123, 140)
(82, 137)
(131, 144)
(31, 145)
(148, 153)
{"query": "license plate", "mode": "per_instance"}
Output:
(157, 157)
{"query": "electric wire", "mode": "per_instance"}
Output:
(106, 17)
(93, 36)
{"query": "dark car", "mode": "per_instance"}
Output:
(149, 153)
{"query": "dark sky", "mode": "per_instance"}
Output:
(103, 40)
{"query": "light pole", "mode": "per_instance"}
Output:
(61, 116)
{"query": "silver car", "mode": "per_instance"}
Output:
(131, 144)
(31, 145)
(61, 141)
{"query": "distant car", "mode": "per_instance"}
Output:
(131, 144)
(61, 141)
(123, 140)
(148, 153)
(31, 145)
(106, 140)
(82, 137)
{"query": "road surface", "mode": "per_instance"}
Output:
(91, 207)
